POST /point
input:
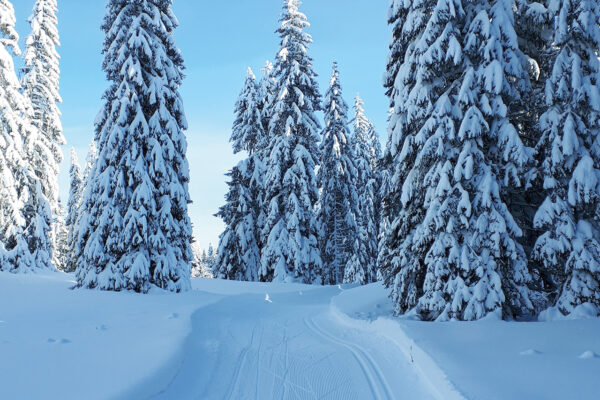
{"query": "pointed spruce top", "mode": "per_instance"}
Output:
(359, 104)
(250, 74)
(74, 159)
(293, 37)
(335, 106)
(247, 127)
(268, 68)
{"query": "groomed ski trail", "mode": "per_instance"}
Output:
(290, 346)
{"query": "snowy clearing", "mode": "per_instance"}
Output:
(232, 340)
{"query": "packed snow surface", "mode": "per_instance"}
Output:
(232, 340)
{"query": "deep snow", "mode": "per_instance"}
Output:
(247, 340)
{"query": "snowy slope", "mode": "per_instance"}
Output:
(232, 340)
(493, 359)
(57, 343)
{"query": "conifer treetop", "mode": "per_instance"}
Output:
(247, 126)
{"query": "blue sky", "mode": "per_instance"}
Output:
(219, 40)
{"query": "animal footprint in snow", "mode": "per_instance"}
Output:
(50, 340)
(101, 328)
(174, 316)
(586, 355)
(64, 341)
(530, 352)
(267, 298)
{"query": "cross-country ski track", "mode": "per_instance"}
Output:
(290, 345)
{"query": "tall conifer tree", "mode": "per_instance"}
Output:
(73, 207)
(135, 230)
(24, 212)
(569, 156)
(367, 154)
(338, 205)
(239, 252)
(40, 85)
(421, 51)
(291, 251)
(452, 251)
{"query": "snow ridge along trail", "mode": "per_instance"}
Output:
(288, 345)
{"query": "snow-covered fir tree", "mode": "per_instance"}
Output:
(475, 266)
(73, 207)
(239, 246)
(367, 154)
(90, 160)
(247, 129)
(135, 231)
(200, 266)
(79, 183)
(291, 250)
(368, 135)
(456, 253)
(24, 212)
(569, 155)
(238, 254)
(266, 88)
(265, 102)
(61, 248)
(414, 82)
(211, 256)
(40, 85)
(38, 220)
(338, 203)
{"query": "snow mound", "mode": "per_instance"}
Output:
(369, 309)
(581, 312)
(492, 360)
(373, 303)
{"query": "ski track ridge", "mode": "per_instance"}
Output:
(373, 374)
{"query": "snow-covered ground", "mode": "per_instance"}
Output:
(231, 340)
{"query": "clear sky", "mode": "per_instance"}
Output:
(219, 41)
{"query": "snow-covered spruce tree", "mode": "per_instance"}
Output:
(291, 251)
(266, 88)
(475, 266)
(40, 85)
(135, 231)
(200, 267)
(533, 31)
(90, 160)
(338, 203)
(247, 129)
(76, 209)
(569, 156)
(211, 256)
(369, 136)
(24, 211)
(265, 102)
(238, 256)
(459, 155)
(239, 252)
(73, 206)
(61, 249)
(423, 64)
(366, 159)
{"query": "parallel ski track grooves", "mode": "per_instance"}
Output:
(374, 376)
(239, 367)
